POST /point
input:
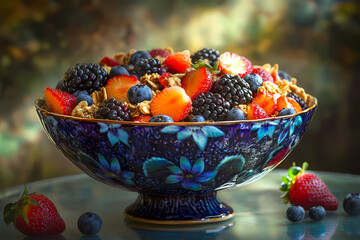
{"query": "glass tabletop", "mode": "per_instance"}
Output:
(259, 211)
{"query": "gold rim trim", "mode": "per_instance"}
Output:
(40, 102)
(180, 222)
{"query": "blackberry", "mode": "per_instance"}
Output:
(147, 66)
(210, 54)
(233, 89)
(113, 110)
(298, 100)
(85, 76)
(212, 106)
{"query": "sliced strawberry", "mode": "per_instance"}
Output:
(256, 112)
(266, 102)
(59, 102)
(162, 79)
(108, 61)
(263, 74)
(178, 62)
(141, 118)
(159, 52)
(295, 105)
(173, 102)
(231, 63)
(196, 82)
(118, 86)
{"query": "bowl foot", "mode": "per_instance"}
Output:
(178, 209)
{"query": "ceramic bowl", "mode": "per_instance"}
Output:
(177, 168)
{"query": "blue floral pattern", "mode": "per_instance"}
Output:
(114, 133)
(189, 176)
(200, 135)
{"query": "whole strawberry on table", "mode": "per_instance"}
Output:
(34, 215)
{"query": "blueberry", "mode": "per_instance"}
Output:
(118, 70)
(254, 80)
(161, 118)
(284, 76)
(317, 213)
(89, 223)
(295, 213)
(235, 114)
(138, 93)
(83, 96)
(286, 111)
(198, 118)
(351, 204)
(137, 56)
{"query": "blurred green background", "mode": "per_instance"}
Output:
(316, 41)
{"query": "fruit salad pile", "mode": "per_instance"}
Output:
(165, 86)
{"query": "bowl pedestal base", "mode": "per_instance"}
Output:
(178, 209)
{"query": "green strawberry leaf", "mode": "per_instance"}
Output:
(9, 213)
(23, 214)
(213, 69)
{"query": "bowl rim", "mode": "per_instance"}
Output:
(40, 102)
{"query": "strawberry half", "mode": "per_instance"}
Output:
(163, 79)
(231, 63)
(173, 102)
(141, 118)
(266, 76)
(118, 86)
(307, 190)
(178, 62)
(34, 215)
(256, 112)
(59, 102)
(196, 82)
(108, 61)
(266, 102)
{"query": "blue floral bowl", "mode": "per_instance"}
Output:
(177, 168)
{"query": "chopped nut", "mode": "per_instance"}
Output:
(174, 80)
(99, 97)
(151, 80)
(291, 87)
(269, 87)
(124, 58)
(244, 108)
(106, 68)
(84, 111)
(138, 109)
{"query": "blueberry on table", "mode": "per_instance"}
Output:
(317, 213)
(295, 213)
(286, 111)
(161, 118)
(351, 204)
(198, 118)
(235, 114)
(118, 70)
(138, 93)
(89, 223)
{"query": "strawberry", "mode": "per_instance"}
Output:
(118, 86)
(307, 190)
(173, 102)
(34, 215)
(108, 61)
(141, 118)
(59, 102)
(256, 112)
(159, 52)
(266, 76)
(295, 105)
(178, 62)
(163, 79)
(197, 81)
(231, 63)
(266, 102)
